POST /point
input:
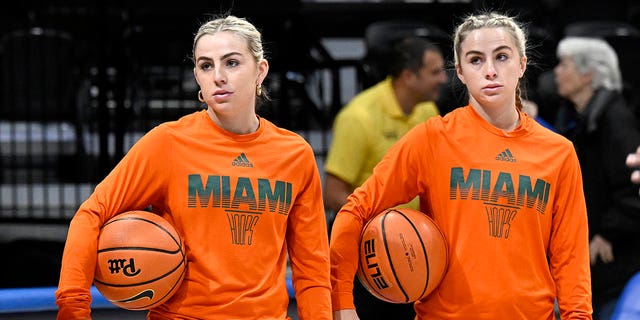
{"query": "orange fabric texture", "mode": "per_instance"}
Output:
(241, 203)
(512, 209)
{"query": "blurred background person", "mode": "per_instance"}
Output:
(530, 107)
(369, 125)
(605, 133)
(633, 161)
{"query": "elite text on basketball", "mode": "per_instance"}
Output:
(372, 265)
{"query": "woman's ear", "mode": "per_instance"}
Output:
(195, 75)
(263, 69)
(459, 73)
(523, 65)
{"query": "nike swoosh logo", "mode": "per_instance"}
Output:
(144, 294)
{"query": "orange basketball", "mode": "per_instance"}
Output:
(141, 260)
(403, 255)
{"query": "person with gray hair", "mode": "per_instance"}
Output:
(606, 132)
(596, 56)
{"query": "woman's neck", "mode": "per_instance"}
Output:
(239, 125)
(505, 118)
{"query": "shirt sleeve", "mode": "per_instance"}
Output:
(308, 246)
(386, 188)
(132, 185)
(569, 246)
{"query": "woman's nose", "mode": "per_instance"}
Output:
(220, 76)
(491, 71)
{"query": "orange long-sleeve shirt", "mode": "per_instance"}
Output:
(240, 202)
(510, 205)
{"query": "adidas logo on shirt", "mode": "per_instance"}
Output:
(506, 156)
(242, 161)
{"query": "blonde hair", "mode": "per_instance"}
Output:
(491, 20)
(240, 27)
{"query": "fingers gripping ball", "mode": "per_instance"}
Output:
(403, 255)
(141, 260)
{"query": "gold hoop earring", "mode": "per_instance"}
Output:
(200, 96)
(258, 90)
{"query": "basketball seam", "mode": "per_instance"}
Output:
(168, 294)
(146, 220)
(387, 252)
(181, 250)
(140, 249)
(179, 243)
(424, 251)
(144, 282)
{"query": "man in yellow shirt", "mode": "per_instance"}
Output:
(370, 124)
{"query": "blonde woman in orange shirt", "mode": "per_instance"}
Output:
(505, 191)
(243, 194)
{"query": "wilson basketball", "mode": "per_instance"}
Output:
(403, 255)
(141, 260)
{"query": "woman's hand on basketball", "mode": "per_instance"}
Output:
(345, 314)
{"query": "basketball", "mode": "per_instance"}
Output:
(402, 255)
(141, 260)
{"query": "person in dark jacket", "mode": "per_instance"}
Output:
(605, 133)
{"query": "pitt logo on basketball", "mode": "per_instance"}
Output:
(372, 267)
(128, 269)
